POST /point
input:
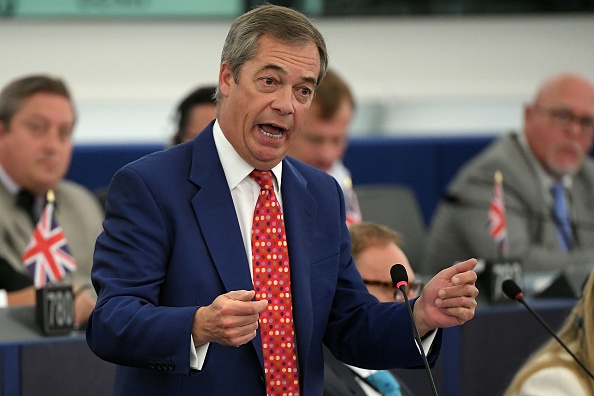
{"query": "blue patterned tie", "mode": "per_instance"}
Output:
(564, 233)
(385, 383)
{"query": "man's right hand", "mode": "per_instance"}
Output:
(231, 319)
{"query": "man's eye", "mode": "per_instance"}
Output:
(268, 80)
(35, 127)
(305, 91)
(564, 115)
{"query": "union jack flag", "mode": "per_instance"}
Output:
(47, 255)
(496, 218)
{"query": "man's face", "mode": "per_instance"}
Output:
(263, 112)
(557, 139)
(199, 117)
(374, 264)
(323, 142)
(36, 147)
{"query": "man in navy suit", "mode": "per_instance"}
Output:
(173, 270)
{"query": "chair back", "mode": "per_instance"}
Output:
(396, 207)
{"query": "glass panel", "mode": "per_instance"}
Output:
(121, 8)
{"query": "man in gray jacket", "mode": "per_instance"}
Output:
(552, 151)
(37, 118)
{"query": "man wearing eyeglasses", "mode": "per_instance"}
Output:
(375, 249)
(548, 189)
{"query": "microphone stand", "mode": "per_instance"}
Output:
(546, 326)
(513, 291)
(417, 337)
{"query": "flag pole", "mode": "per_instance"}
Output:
(499, 180)
(50, 196)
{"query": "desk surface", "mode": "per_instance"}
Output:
(17, 324)
(32, 364)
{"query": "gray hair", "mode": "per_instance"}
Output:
(17, 91)
(282, 24)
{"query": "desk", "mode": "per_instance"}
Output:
(35, 365)
(479, 358)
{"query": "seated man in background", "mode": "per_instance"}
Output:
(375, 250)
(545, 169)
(323, 140)
(194, 112)
(37, 120)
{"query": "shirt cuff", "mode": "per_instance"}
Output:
(3, 298)
(427, 341)
(197, 354)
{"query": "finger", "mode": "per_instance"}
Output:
(465, 290)
(461, 314)
(241, 333)
(464, 278)
(458, 268)
(240, 295)
(244, 308)
(243, 338)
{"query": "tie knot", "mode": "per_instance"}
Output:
(263, 178)
(558, 189)
(25, 199)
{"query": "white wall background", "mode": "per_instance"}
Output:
(410, 75)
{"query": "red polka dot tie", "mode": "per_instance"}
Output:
(270, 259)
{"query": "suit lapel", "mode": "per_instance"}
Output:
(217, 220)
(16, 229)
(215, 213)
(299, 212)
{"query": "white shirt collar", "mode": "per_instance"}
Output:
(8, 182)
(236, 168)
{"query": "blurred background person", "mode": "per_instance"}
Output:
(375, 249)
(193, 113)
(551, 371)
(37, 119)
(323, 139)
(548, 185)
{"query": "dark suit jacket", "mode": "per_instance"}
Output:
(339, 379)
(172, 243)
(11, 279)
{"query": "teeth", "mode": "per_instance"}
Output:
(270, 135)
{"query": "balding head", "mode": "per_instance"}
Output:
(559, 124)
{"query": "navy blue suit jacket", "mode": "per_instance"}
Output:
(172, 243)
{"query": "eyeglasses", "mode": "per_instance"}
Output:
(566, 118)
(413, 289)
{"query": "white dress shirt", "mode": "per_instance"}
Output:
(244, 192)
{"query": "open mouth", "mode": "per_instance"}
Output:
(272, 131)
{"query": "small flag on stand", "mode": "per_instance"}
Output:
(47, 255)
(496, 218)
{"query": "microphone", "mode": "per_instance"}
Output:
(400, 280)
(513, 291)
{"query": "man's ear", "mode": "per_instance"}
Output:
(225, 78)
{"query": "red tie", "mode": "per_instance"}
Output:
(272, 281)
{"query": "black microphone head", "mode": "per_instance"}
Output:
(399, 275)
(511, 289)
